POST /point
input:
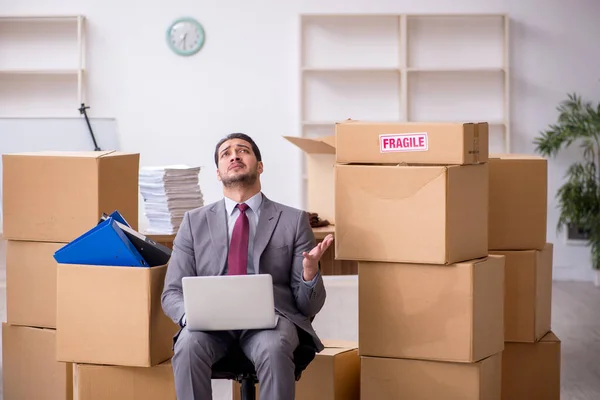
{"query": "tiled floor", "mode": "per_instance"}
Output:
(575, 321)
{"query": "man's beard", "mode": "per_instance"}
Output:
(241, 180)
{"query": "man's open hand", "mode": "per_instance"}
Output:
(311, 259)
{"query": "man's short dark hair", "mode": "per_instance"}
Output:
(242, 136)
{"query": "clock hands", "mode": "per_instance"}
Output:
(183, 37)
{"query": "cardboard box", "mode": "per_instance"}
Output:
(531, 371)
(57, 196)
(414, 214)
(387, 378)
(334, 374)
(29, 366)
(518, 202)
(411, 142)
(329, 264)
(432, 312)
(107, 382)
(31, 283)
(527, 294)
(112, 315)
(320, 159)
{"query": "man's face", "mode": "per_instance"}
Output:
(238, 164)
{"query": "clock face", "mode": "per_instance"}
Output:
(185, 36)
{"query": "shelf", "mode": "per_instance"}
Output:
(40, 18)
(350, 41)
(352, 69)
(317, 131)
(465, 96)
(497, 138)
(42, 64)
(39, 72)
(38, 95)
(457, 69)
(330, 97)
(405, 67)
(43, 46)
(460, 41)
(319, 123)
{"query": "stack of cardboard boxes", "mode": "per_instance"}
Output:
(517, 230)
(411, 205)
(61, 315)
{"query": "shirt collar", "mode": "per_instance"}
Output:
(253, 203)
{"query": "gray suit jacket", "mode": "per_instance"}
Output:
(282, 234)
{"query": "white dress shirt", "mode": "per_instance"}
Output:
(254, 204)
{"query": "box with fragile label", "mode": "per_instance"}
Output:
(411, 142)
(413, 214)
(432, 312)
(320, 159)
(55, 196)
(393, 379)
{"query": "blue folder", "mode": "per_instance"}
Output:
(105, 244)
(116, 215)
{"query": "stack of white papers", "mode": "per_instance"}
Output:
(169, 192)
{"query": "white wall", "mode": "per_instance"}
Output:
(173, 109)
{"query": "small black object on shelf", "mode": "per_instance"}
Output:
(82, 111)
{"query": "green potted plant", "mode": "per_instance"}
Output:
(579, 197)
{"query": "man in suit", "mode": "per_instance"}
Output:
(245, 233)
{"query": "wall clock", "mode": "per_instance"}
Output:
(185, 36)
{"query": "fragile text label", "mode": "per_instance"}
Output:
(400, 142)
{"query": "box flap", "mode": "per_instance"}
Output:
(550, 337)
(480, 260)
(330, 140)
(332, 352)
(339, 344)
(325, 145)
(335, 347)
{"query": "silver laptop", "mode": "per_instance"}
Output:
(229, 302)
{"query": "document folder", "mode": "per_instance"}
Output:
(105, 244)
(155, 254)
(116, 215)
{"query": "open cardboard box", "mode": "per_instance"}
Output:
(320, 157)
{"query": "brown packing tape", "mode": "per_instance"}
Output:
(106, 153)
(476, 143)
(475, 148)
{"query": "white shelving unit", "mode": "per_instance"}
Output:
(405, 68)
(42, 65)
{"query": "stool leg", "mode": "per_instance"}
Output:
(248, 390)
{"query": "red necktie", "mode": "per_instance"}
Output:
(237, 259)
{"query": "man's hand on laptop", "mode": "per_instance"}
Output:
(311, 260)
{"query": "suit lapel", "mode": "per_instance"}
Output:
(217, 224)
(269, 216)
